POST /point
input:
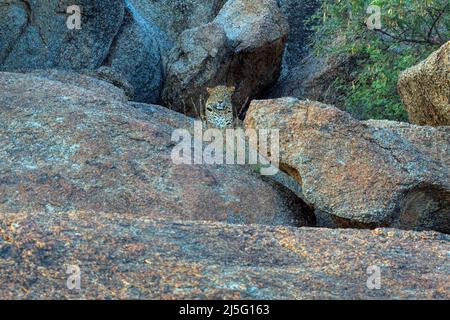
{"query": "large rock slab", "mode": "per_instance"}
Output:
(425, 89)
(84, 81)
(306, 75)
(122, 256)
(39, 37)
(68, 146)
(242, 47)
(364, 174)
(112, 34)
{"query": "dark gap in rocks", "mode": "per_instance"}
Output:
(425, 207)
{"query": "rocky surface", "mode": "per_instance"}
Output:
(112, 33)
(425, 89)
(111, 76)
(39, 37)
(66, 146)
(305, 73)
(242, 47)
(297, 13)
(363, 174)
(136, 53)
(87, 178)
(82, 81)
(121, 256)
(434, 142)
(313, 77)
(176, 16)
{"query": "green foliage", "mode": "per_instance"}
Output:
(410, 31)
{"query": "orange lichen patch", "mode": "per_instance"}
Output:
(290, 243)
(379, 232)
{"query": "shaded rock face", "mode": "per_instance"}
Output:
(39, 38)
(425, 89)
(364, 174)
(159, 259)
(242, 47)
(313, 77)
(113, 77)
(141, 62)
(72, 146)
(83, 81)
(176, 16)
(112, 33)
(305, 75)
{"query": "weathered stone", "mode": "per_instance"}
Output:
(112, 34)
(425, 89)
(313, 78)
(193, 67)
(242, 47)
(113, 77)
(43, 39)
(176, 16)
(122, 256)
(89, 81)
(364, 174)
(297, 13)
(136, 54)
(70, 147)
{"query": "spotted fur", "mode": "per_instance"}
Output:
(219, 107)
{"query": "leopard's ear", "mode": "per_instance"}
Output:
(209, 90)
(231, 89)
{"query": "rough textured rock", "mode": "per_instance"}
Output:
(304, 74)
(363, 174)
(39, 38)
(122, 256)
(84, 81)
(112, 33)
(425, 89)
(69, 147)
(313, 78)
(242, 47)
(136, 54)
(113, 77)
(434, 142)
(297, 13)
(176, 16)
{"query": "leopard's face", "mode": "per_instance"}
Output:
(219, 107)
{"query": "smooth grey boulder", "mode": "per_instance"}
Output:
(176, 16)
(112, 34)
(140, 63)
